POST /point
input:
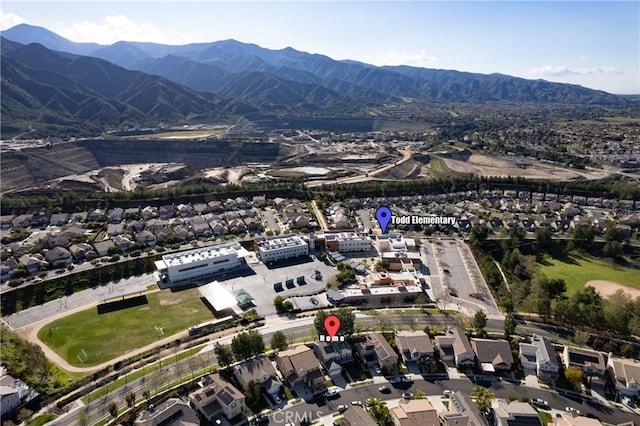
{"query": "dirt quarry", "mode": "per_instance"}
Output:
(481, 165)
(607, 288)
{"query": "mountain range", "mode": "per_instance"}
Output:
(86, 86)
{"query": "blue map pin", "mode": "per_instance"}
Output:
(383, 215)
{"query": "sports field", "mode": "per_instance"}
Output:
(86, 338)
(577, 270)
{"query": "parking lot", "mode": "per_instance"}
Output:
(461, 275)
(261, 284)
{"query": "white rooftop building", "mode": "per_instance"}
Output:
(202, 262)
(281, 247)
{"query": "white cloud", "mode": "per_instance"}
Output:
(560, 70)
(583, 57)
(420, 59)
(8, 20)
(117, 28)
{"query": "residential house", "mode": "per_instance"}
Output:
(493, 355)
(201, 208)
(216, 207)
(173, 412)
(514, 413)
(132, 213)
(217, 228)
(253, 224)
(540, 356)
(414, 346)
(237, 226)
(242, 203)
(58, 255)
(22, 221)
(102, 247)
(257, 370)
(13, 393)
(115, 215)
(59, 219)
(123, 241)
(217, 396)
(82, 252)
(627, 374)
(41, 219)
(462, 411)
(147, 238)
(115, 229)
(6, 221)
(97, 215)
(590, 362)
(455, 347)
(338, 352)
(135, 226)
(566, 419)
(376, 350)
(7, 267)
(166, 212)
(414, 412)
(183, 233)
(149, 213)
(185, 210)
(299, 366)
(33, 263)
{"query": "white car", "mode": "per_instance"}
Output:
(395, 380)
(356, 403)
(343, 407)
(447, 392)
(572, 410)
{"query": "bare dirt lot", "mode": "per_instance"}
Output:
(607, 288)
(486, 166)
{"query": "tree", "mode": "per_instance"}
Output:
(83, 417)
(478, 235)
(277, 302)
(627, 350)
(279, 341)
(573, 376)
(581, 338)
(613, 249)
(479, 320)
(510, 325)
(543, 238)
(131, 399)
(347, 321)
(247, 344)
(253, 393)
(483, 398)
(224, 354)
(113, 410)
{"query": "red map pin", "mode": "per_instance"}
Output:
(332, 325)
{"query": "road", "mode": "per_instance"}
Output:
(321, 219)
(500, 389)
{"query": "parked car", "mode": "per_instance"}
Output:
(277, 399)
(333, 393)
(377, 369)
(356, 403)
(572, 410)
(406, 379)
(384, 389)
(407, 395)
(342, 408)
(541, 403)
(395, 380)
(447, 392)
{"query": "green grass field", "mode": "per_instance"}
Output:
(106, 336)
(578, 269)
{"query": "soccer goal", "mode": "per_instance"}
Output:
(83, 356)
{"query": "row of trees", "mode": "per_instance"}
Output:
(247, 345)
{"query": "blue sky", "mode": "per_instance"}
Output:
(592, 43)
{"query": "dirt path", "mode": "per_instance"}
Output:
(607, 288)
